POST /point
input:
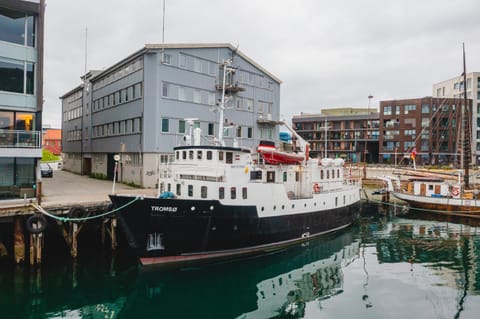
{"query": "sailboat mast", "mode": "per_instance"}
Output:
(466, 125)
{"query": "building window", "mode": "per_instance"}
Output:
(244, 193)
(233, 192)
(165, 128)
(409, 108)
(179, 188)
(15, 23)
(16, 76)
(181, 126)
(425, 108)
(249, 132)
(165, 90)
(387, 110)
(239, 131)
(209, 155)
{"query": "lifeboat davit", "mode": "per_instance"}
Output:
(272, 155)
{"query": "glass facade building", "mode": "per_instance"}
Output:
(21, 96)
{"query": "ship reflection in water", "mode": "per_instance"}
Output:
(287, 293)
(384, 266)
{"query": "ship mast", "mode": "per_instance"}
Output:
(466, 126)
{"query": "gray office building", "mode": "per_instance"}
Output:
(141, 107)
(21, 96)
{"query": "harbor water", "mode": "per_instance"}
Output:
(390, 264)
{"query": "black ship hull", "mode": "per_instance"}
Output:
(171, 232)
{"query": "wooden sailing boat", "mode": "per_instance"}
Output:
(437, 195)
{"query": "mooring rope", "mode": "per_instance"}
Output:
(467, 213)
(80, 219)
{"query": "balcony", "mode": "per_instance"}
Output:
(20, 139)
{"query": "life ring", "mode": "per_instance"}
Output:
(455, 191)
(77, 212)
(316, 188)
(36, 223)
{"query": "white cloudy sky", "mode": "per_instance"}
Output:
(327, 53)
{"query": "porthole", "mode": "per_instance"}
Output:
(315, 204)
(283, 207)
(262, 209)
(293, 205)
(323, 203)
(274, 207)
(305, 205)
(192, 208)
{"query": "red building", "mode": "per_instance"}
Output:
(52, 141)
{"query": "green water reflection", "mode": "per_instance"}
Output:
(385, 266)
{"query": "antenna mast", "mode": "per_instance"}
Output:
(466, 123)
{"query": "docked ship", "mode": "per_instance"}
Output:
(439, 195)
(222, 202)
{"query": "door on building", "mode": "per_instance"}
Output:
(87, 166)
(110, 166)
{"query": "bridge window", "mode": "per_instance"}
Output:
(270, 177)
(190, 190)
(229, 157)
(203, 192)
(221, 192)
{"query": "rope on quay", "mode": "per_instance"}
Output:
(469, 213)
(79, 219)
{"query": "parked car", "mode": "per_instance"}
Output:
(46, 170)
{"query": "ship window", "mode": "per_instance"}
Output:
(297, 176)
(255, 175)
(209, 155)
(321, 174)
(233, 193)
(336, 201)
(333, 174)
(190, 190)
(184, 154)
(284, 176)
(229, 157)
(179, 189)
(169, 187)
(221, 192)
(199, 155)
(220, 156)
(190, 155)
(344, 199)
(338, 173)
(328, 174)
(270, 177)
(203, 192)
(244, 193)
(177, 155)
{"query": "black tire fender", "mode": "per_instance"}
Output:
(36, 223)
(77, 212)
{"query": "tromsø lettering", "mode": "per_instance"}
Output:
(164, 209)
